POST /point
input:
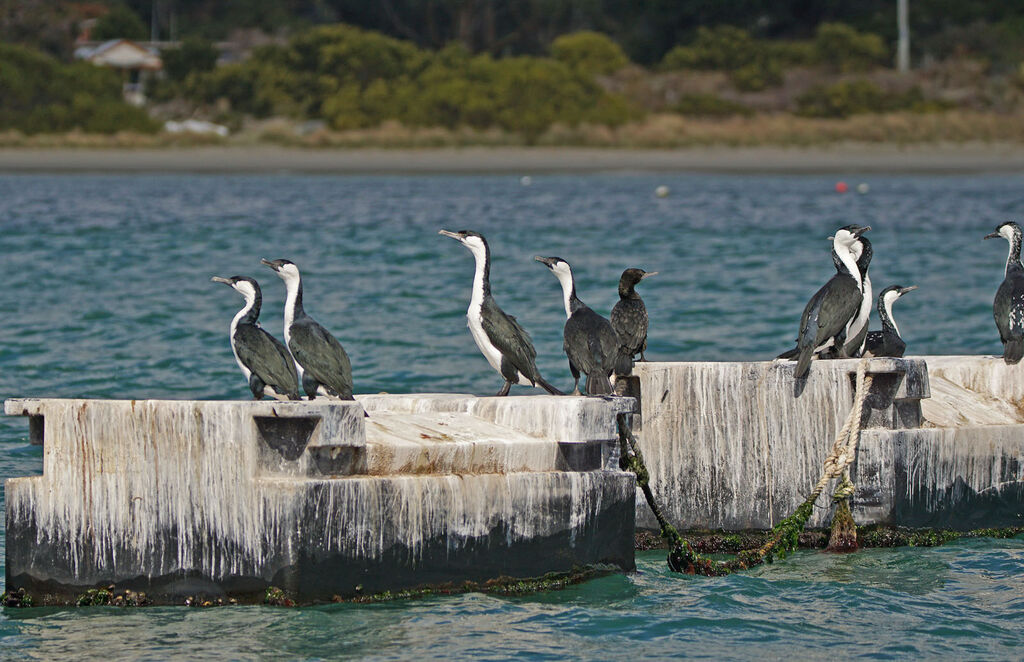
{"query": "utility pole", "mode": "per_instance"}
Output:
(903, 47)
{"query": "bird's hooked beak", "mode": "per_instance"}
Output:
(993, 235)
(648, 274)
(859, 231)
(269, 263)
(218, 279)
(453, 235)
(904, 290)
(548, 262)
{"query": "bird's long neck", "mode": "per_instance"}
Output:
(1013, 257)
(627, 291)
(885, 314)
(572, 302)
(482, 275)
(293, 303)
(250, 312)
(845, 264)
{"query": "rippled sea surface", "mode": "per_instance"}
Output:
(107, 294)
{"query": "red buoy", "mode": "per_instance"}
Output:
(841, 187)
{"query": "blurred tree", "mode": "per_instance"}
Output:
(195, 54)
(119, 23)
(589, 52)
(41, 95)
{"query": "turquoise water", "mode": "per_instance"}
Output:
(107, 293)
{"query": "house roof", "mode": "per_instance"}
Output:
(122, 54)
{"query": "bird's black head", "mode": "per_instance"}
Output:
(896, 291)
(855, 230)
(276, 265)
(632, 276)
(244, 285)
(553, 263)
(474, 241)
(1008, 231)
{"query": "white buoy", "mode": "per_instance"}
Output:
(661, 191)
(863, 188)
(526, 180)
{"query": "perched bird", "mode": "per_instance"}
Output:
(590, 341)
(830, 309)
(1008, 307)
(504, 343)
(263, 358)
(857, 330)
(629, 319)
(887, 342)
(323, 365)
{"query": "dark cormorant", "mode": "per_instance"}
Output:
(1008, 307)
(323, 365)
(504, 343)
(263, 358)
(887, 342)
(589, 339)
(830, 309)
(629, 319)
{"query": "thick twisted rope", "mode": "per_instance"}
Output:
(786, 534)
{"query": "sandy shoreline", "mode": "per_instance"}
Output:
(933, 159)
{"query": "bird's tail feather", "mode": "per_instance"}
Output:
(541, 382)
(598, 384)
(803, 363)
(1013, 350)
(623, 363)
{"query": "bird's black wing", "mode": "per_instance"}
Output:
(322, 356)
(840, 303)
(590, 342)
(262, 354)
(510, 338)
(629, 320)
(1009, 306)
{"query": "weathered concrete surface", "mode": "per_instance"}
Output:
(227, 498)
(738, 445)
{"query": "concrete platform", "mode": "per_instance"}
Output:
(223, 499)
(738, 445)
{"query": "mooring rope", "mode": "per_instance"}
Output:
(785, 535)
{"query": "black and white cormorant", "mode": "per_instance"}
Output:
(827, 314)
(263, 358)
(887, 342)
(590, 341)
(857, 330)
(629, 319)
(504, 343)
(1008, 307)
(323, 365)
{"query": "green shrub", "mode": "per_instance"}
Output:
(41, 95)
(858, 96)
(591, 53)
(356, 79)
(752, 65)
(757, 76)
(710, 105)
(193, 55)
(844, 49)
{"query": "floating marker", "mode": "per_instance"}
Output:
(661, 191)
(841, 187)
(863, 188)
(526, 180)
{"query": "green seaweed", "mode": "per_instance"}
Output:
(18, 598)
